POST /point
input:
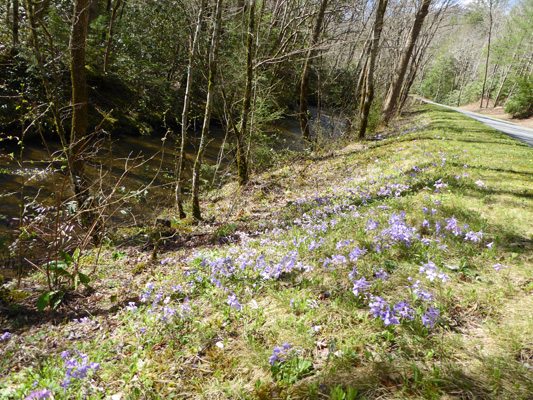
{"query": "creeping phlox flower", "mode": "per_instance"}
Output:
(419, 291)
(77, 367)
(39, 394)
(233, 302)
(397, 232)
(451, 225)
(360, 285)
(160, 308)
(474, 236)
(83, 320)
(282, 353)
(432, 272)
(356, 253)
(430, 317)
(401, 311)
(497, 267)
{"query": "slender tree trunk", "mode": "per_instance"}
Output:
(110, 35)
(391, 101)
(242, 164)
(462, 84)
(185, 112)
(488, 55)
(15, 23)
(489, 89)
(78, 136)
(304, 84)
(505, 76)
(213, 58)
(368, 93)
(51, 93)
(497, 98)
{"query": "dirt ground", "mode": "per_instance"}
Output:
(497, 112)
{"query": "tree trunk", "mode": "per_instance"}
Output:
(213, 58)
(489, 89)
(242, 164)
(78, 136)
(462, 85)
(15, 23)
(110, 35)
(391, 101)
(304, 84)
(368, 93)
(185, 112)
(488, 55)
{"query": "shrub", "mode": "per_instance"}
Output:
(520, 105)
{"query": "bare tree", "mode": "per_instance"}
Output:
(241, 135)
(489, 37)
(78, 135)
(391, 100)
(304, 83)
(213, 59)
(185, 112)
(368, 87)
(118, 3)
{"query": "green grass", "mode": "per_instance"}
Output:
(480, 347)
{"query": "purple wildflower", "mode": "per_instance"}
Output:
(474, 236)
(356, 253)
(360, 285)
(497, 267)
(381, 274)
(403, 310)
(233, 302)
(281, 353)
(451, 225)
(5, 336)
(432, 272)
(430, 317)
(39, 394)
(339, 259)
(371, 225)
(344, 243)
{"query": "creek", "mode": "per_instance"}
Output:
(34, 178)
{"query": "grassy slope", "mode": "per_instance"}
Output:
(480, 347)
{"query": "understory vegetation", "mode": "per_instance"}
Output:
(399, 267)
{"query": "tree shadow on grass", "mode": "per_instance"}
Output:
(485, 168)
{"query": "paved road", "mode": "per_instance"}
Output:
(516, 131)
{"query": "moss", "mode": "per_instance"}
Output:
(12, 296)
(139, 268)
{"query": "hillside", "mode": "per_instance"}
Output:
(393, 268)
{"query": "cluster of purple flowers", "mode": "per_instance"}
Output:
(398, 231)
(160, 304)
(234, 302)
(282, 353)
(390, 315)
(39, 394)
(77, 366)
(432, 272)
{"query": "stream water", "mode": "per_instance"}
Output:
(32, 176)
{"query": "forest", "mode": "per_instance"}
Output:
(207, 183)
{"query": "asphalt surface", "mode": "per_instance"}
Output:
(517, 132)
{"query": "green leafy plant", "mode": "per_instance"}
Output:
(58, 270)
(338, 393)
(286, 366)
